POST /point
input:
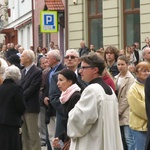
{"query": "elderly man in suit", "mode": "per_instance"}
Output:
(146, 54)
(54, 62)
(83, 50)
(30, 82)
(11, 50)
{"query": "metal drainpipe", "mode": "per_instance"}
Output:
(66, 26)
(33, 23)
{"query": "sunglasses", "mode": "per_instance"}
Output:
(71, 57)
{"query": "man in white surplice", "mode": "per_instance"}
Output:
(93, 123)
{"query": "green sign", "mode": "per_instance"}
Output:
(48, 21)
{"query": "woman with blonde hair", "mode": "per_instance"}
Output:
(136, 100)
(130, 54)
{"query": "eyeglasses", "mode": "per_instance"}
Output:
(85, 67)
(71, 57)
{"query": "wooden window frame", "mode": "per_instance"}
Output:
(93, 16)
(133, 10)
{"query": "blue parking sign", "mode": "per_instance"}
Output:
(48, 21)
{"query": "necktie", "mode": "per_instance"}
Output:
(23, 73)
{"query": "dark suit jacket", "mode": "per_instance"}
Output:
(11, 52)
(145, 46)
(43, 85)
(136, 53)
(147, 101)
(12, 104)
(83, 51)
(31, 85)
(50, 110)
(47, 86)
(113, 69)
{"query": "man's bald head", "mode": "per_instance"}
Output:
(146, 54)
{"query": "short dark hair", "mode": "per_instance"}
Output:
(94, 60)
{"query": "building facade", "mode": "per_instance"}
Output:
(3, 19)
(108, 22)
(98, 22)
(24, 23)
(43, 39)
(19, 27)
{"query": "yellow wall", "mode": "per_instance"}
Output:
(112, 22)
(145, 20)
(75, 23)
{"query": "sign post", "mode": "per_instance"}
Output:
(48, 21)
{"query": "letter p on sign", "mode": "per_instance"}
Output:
(49, 19)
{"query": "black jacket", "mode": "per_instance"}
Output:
(66, 109)
(12, 104)
(83, 51)
(50, 111)
(54, 92)
(11, 52)
(31, 83)
(147, 101)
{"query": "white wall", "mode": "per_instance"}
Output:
(21, 12)
(19, 8)
(2, 38)
(25, 36)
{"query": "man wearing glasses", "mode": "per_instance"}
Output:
(93, 123)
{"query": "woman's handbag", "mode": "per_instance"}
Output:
(66, 145)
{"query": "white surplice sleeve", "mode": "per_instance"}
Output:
(84, 114)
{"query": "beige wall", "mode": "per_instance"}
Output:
(145, 20)
(76, 21)
(112, 22)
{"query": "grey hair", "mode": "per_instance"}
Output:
(55, 53)
(143, 52)
(12, 72)
(73, 51)
(82, 41)
(30, 54)
(3, 66)
(21, 48)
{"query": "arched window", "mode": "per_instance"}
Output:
(95, 23)
(131, 21)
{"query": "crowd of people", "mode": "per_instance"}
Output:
(88, 99)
